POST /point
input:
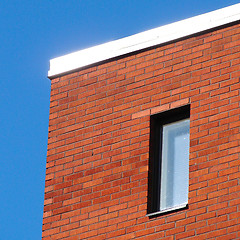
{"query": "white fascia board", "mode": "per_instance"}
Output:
(160, 35)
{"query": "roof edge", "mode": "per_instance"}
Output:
(146, 39)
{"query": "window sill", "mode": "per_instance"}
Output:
(167, 210)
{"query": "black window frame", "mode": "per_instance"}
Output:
(155, 155)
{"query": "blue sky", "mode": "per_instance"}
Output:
(31, 33)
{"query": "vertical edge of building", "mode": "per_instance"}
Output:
(109, 103)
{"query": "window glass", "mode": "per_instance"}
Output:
(175, 164)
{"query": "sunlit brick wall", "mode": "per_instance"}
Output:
(98, 147)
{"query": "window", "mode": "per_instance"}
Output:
(169, 161)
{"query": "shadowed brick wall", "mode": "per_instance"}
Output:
(98, 146)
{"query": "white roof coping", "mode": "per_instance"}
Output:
(156, 36)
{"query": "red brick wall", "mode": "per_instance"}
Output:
(98, 147)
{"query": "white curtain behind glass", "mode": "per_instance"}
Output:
(175, 165)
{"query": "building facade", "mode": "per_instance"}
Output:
(106, 177)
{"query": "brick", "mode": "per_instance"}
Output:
(141, 114)
(96, 184)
